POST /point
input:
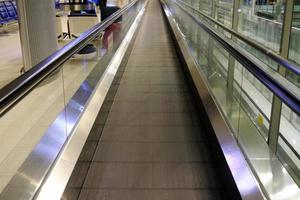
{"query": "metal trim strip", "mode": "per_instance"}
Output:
(238, 166)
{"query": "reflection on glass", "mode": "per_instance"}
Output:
(223, 11)
(256, 101)
(262, 21)
(25, 124)
(289, 141)
(82, 72)
(206, 6)
(294, 44)
(258, 55)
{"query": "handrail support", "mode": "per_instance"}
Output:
(284, 52)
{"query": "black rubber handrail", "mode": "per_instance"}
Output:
(18, 88)
(276, 88)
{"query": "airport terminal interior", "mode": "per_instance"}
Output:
(150, 99)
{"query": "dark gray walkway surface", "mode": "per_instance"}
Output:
(152, 146)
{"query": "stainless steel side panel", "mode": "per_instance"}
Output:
(50, 164)
(245, 181)
(56, 182)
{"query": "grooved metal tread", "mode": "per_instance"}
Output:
(152, 145)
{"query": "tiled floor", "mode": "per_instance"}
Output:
(10, 56)
(152, 145)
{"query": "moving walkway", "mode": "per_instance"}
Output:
(146, 116)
